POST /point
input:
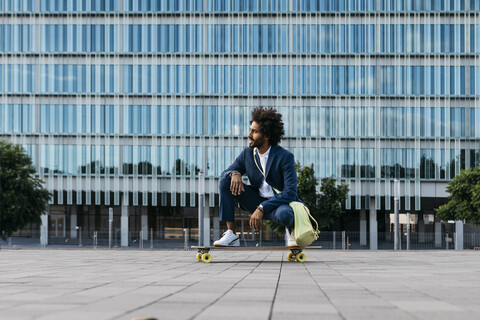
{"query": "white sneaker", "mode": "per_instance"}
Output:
(291, 238)
(228, 239)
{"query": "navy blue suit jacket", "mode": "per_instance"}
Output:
(280, 174)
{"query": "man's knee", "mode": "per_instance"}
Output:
(224, 184)
(284, 216)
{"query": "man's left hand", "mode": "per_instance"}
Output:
(256, 219)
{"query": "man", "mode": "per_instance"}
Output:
(271, 168)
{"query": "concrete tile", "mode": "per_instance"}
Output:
(168, 310)
(248, 294)
(415, 306)
(122, 284)
(205, 298)
(236, 310)
(79, 314)
(375, 313)
(28, 297)
(304, 308)
(294, 315)
(447, 315)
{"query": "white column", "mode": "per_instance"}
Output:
(373, 225)
(216, 225)
(44, 228)
(363, 227)
(458, 235)
(73, 222)
(145, 223)
(206, 222)
(438, 234)
(408, 231)
(124, 227)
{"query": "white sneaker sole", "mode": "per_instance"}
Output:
(234, 243)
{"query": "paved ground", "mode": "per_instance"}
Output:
(102, 284)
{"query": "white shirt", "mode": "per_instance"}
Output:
(265, 190)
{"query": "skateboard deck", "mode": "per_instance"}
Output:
(295, 253)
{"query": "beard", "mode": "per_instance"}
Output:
(255, 143)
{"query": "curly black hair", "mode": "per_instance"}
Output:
(270, 122)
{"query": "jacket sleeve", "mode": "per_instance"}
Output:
(289, 192)
(238, 165)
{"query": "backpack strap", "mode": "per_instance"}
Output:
(312, 218)
(255, 150)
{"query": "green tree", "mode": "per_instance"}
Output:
(464, 200)
(329, 206)
(325, 206)
(22, 197)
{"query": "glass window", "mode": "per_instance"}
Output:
(127, 166)
(474, 121)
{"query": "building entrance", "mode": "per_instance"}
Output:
(57, 225)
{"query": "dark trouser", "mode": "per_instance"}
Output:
(249, 200)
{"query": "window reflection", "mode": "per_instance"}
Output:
(309, 80)
(165, 6)
(241, 38)
(324, 121)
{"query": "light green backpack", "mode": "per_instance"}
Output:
(305, 234)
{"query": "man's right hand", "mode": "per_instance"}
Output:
(236, 185)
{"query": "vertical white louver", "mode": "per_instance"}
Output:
(154, 144)
(99, 145)
(476, 104)
(378, 163)
(79, 143)
(125, 154)
(106, 165)
(407, 192)
(88, 165)
(417, 155)
(136, 149)
(118, 114)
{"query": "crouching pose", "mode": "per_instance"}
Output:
(270, 168)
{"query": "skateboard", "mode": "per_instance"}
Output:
(295, 253)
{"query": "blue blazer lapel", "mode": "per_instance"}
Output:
(271, 158)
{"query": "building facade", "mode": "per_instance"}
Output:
(140, 105)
